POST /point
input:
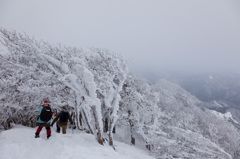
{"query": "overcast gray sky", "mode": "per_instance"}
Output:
(153, 34)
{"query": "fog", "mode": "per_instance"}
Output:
(154, 35)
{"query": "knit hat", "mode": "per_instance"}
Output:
(46, 102)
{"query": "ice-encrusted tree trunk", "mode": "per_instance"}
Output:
(60, 66)
(110, 72)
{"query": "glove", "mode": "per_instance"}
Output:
(73, 126)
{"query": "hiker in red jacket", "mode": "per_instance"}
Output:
(45, 114)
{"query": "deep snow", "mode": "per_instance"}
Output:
(19, 143)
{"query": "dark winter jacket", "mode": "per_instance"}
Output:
(59, 122)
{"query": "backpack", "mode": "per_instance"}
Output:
(46, 114)
(64, 116)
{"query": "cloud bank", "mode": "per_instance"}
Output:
(155, 34)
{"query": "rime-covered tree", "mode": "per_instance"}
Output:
(138, 108)
(35, 69)
(110, 72)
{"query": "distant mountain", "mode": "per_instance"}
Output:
(209, 87)
(218, 91)
(224, 87)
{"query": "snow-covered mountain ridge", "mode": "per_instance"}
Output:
(218, 91)
(222, 86)
(181, 127)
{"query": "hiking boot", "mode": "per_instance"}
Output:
(48, 136)
(58, 130)
(37, 135)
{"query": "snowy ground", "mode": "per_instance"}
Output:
(19, 143)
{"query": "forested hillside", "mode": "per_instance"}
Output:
(108, 101)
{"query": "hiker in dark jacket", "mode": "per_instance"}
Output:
(45, 114)
(62, 120)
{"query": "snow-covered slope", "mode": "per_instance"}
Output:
(188, 130)
(19, 143)
(226, 116)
